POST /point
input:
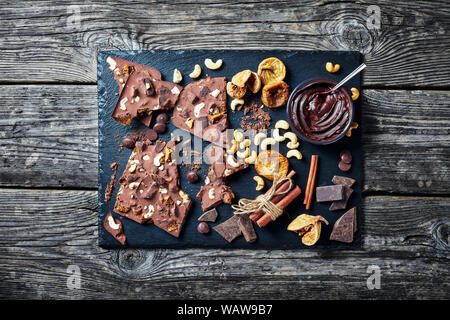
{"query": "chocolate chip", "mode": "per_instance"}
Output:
(162, 118)
(135, 92)
(159, 127)
(164, 91)
(203, 227)
(128, 142)
(151, 135)
(346, 156)
(132, 177)
(159, 146)
(150, 90)
(192, 98)
(344, 166)
(163, 101)
(192, 177)
(204, 92)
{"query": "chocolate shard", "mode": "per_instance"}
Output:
(342, 204)
(209, 216)
(229, 229)
(115, 228)
(246, 226)
(345, 227)
(330, 193)
(345, 181)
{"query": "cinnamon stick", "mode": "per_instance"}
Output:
(265, 219)
(255, 216)
(315, 162)
(308, 183)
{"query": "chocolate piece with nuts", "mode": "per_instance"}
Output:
(149, 190)
(115, 228)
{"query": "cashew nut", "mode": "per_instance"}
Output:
(244, 144)
(213, 65)
(252, 158)
(232, 162)
(355, 93)
(332, 68)
(234, 147)
(266, 142)
(238, 135)
(282, 124)
(157, 159)
(258, 137)
(134, 185)
(260, 182)
(211, 194)
(215, 93)
(197, 71)
(291, 136)
(113, 224)
(244, 154)
(276, 135)
(177, 77)
(132, 168)
(235, 103)
(293, 145)
(294, 153)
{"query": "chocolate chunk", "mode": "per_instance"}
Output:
(128, 142)
(345, 227)
(160, 127)
(164, 102)
(132, 178)
(204, 92)
(149, 193)
(346, 156)
(209, 216)
(203, 227)
(191, 97)
(162, 118)
(229, 229)
(115, 228)
(159, 146)
(246, 226)
(330, 193)
(135, 92)
(150, 90)
(345, 181)
(202, 122)
(151, 135)
(344, 166)
(342, 204)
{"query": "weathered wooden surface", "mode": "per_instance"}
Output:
(47, 129)
(42, 232)
(48, 149)
(45, 41)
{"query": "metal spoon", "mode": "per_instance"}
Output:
(343, 81)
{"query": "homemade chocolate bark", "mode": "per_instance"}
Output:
(115, 228)
(122, 69)
(142, 95)
(202, 110)
(149, 188)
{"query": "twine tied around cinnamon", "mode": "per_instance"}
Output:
(263, 202)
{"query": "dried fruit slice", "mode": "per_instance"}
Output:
(234, 91)
(270, 163)
(301, 222)
(271, 69)
(254, 82)
(308, 227)
(241, 78)
(313, 235)
(275, 94)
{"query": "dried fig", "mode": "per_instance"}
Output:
(275, 94)
(271, 70)
(234, 91)
(241, 78)
(254, 82)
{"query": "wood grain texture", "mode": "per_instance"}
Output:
(42, 232)
(55, 41)
(48, 138)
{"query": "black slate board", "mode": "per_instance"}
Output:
(301, 65)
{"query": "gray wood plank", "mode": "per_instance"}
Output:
(48, 138)
(42, 232)
(43, 41)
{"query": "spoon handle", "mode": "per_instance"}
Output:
(356, 71)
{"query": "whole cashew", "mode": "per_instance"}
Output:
(235, 103)
(266, 142)
(260, 182)
(238, 135)
(282, 124)
(244, 154)
(291, 136)
(232, 162)
(276, 135)
(244, 144)
(258, 138)
(213, 65)
(294, 153)
(197, 71)
(332, 68)
(252, 158)
(234, 147)
(292, 145)
(177, 77)
(355, 93)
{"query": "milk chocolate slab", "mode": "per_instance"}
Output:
(202, 110)
(246, 226)
(229, 229)
(345, 227)
(122, 69)
(345, 181)
(115, 228)
(209, 216)
(149, 188)
(329, 193)
(342, 204)
(142, 95)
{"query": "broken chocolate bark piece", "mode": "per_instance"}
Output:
(200, 100)
(149, 190)
(246, 226)
(345, 181)
(142, 95)
(342, 204)
(209, 216)
(229, 229)
(345, 227)
(115, 228)
(329, 193)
